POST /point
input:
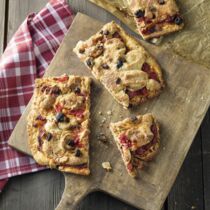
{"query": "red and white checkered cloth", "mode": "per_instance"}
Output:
(26, 57)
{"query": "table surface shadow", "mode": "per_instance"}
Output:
(43, 190)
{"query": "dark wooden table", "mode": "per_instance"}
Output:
(43, 190)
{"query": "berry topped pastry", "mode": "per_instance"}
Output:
(58, 123)
(138, 140)
(155, 18)
(122, 65)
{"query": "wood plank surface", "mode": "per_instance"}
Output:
(205, 133)
(2, 24)
(183, 100)
(187, 192)
(10, 198)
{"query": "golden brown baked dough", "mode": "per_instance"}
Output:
(155, 18)
(58, 123)
(138, 140)
(123, 66)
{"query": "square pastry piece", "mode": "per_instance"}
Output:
(155, 18)
(122, 65)
(58, 123)
(138, 140)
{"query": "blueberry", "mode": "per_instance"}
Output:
(56, 90)
(106, 32)
(161, 2)
(139, 13)
(90, 62)
(105, 66)
(178, 20)
(118, 80)
(49, 136)
(120, 63)
(71, 143)
(77, 90)
(78, 153)
(60, 117)
(134, 118)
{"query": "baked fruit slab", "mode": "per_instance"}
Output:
(58, 123)
(155, 18)
(122, 65)
(138, 140)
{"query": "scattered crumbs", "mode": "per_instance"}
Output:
(120, 173)
(103, 120)
(187, 100)
(107, 166)
(202, 97)
(109, 113)
(193, 207)
(121, 116)
(164, 148)
(101, 137)
(100, 113)
(101, 125)
(145, 108)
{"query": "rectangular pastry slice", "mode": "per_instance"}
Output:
(122, 64)
(58, 123)
(138, 140)
(155, 18)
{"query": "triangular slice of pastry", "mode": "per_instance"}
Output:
(155, 18)
(58, 123)
(123, 66)
(138, 140)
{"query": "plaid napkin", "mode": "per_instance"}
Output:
(26, 57)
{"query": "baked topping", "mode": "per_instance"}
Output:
(90, 62)
(60, 131)
(118, 80)
(119, 67)
(49, 136)
(60, 117)
(78, 153)
(155, 18)
(139, 13)
(105, 66)
(161, 2)
(138, 140)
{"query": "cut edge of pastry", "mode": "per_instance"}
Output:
(149, 156)
(38, 156)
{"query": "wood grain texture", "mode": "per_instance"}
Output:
(205, 134)
(33, 191)
(41, 190)
(2, 24)
(173, 109)
(187, 192)
(18, 10)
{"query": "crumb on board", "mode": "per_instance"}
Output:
(107, 166)
(102, 137)
(100, 113)
(103, 120)
(109, 112)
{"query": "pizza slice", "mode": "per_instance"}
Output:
(122, 65)
(138, 140)
(155, 18)
(58, 123)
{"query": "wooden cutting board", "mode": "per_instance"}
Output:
(179, 109)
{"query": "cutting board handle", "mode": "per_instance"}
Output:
(74, 192)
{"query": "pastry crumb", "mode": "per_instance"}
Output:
(107, 166)
(109, 113)
(101, 137)
(103, 120)
(100, 113)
